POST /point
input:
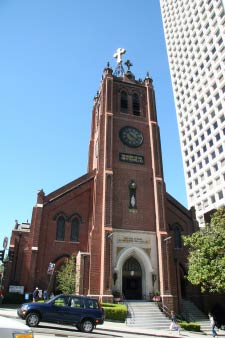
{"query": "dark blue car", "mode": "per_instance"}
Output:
(83, 312)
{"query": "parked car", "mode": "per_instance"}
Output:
(83, 312)
(12, 328)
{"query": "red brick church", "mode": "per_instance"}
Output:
(118, 219)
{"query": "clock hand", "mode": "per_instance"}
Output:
(131, 136)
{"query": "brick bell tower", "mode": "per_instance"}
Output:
(128, 231)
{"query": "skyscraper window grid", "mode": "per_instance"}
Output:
(195, 33)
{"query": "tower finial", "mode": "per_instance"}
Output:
(119, 71)
(128, 64)
(118, 54)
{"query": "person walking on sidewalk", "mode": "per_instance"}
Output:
(174, 325)
(2, 294)
(45, 295)
(36, 294)
(212, 324)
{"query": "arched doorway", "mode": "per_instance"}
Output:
(132, 279)
(58, 264)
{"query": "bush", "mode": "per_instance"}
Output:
(116, 312)
(13, 298)
(190, 326)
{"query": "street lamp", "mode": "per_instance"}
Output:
(167, 239)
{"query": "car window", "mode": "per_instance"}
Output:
(60, 301)
(76, 302)
(92, 304)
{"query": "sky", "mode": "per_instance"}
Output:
(52, 57)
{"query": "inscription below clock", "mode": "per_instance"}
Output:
(130, 136)
(132, 158)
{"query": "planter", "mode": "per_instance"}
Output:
(117, 299)
(156, 298)
(116, 296)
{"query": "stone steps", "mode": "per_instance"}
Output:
(193, 314)
(146, 315)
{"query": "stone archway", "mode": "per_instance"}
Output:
(59, 262)
(144, 276)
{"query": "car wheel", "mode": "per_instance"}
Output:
(87, 326)
(32, 319)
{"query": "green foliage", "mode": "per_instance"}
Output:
(116, 293)
(116, 312)
(206, 255)
(13, 298)
(66, 277)
(190, 326)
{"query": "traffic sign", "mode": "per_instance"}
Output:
(5, 242)
(51, 268)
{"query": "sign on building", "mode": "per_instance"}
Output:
(51, 268)
(16, 289)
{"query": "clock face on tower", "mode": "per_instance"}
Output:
(130, 136)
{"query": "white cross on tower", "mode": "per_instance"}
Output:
(118, 54)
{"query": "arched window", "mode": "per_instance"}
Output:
(132, 265)
(75, 229)
(123, 102)
(136, 104)
(60, 229)
(177, 237)
(132, 195)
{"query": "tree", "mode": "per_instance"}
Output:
(66, 276)
(206, 260)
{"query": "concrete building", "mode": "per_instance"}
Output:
(118, 220)
(195, 39)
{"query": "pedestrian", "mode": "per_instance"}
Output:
(213, 325)
(2, 294)
(173, 317)
(35, 294)
(174, 325)
(45, 295)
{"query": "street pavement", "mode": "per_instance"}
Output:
(10, 311)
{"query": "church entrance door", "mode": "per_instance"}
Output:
(132, 279)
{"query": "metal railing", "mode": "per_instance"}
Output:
(130, 313)
(164, 309)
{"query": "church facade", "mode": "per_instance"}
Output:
(118, 220)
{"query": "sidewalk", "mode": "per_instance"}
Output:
(10, 311)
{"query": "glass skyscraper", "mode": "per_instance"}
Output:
(195, 39)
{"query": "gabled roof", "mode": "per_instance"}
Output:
(62, 191)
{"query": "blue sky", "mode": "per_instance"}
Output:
(52, 56)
